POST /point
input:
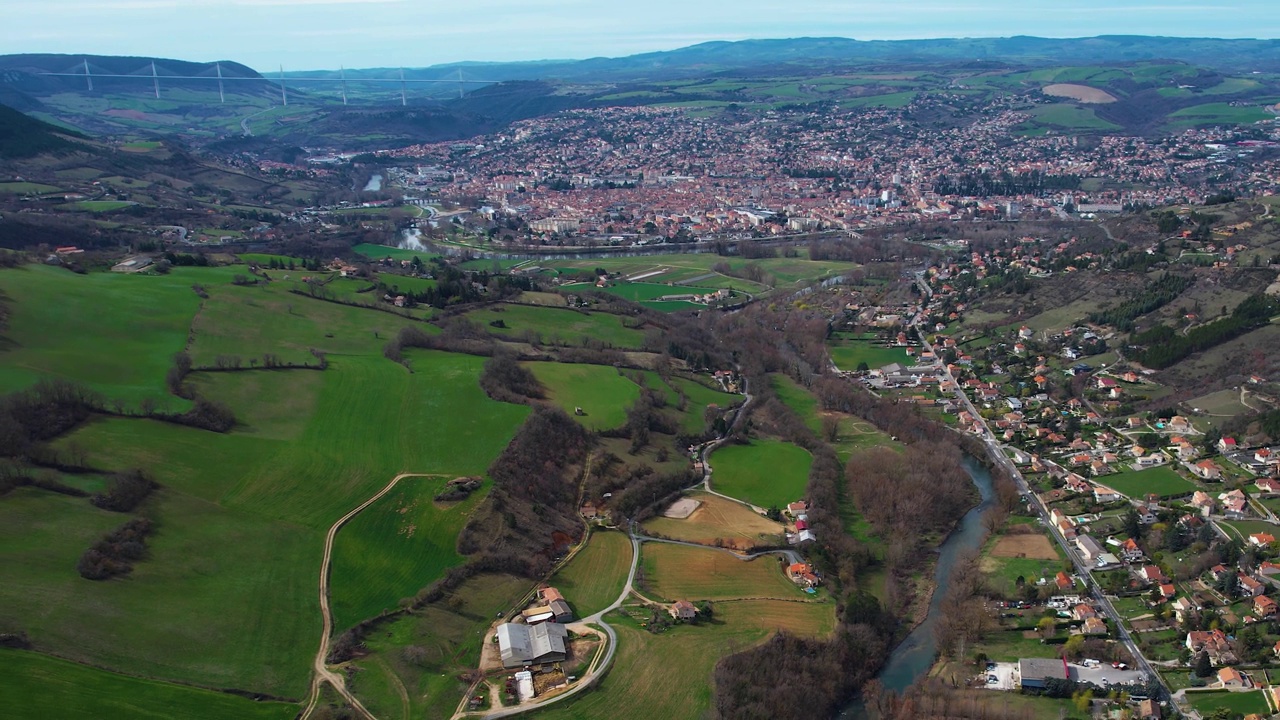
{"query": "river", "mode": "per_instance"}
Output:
(915, 655)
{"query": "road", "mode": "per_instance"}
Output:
(244, 123)
(322, 672)
(601, 662)
(996, 452)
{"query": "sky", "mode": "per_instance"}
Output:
(326, 34)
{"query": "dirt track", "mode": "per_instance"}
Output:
(322, 672)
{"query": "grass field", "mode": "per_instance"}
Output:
(134, 323)
(700, 398)
(602, 393)
(847, 353)
(378, 252)
(1238, 703)
(596, 575)
(766, 473)
(559, 325)
(24, 188)
(1163, 481)
(719, 519)
(232, 570)
(1221, 112)
(39, 686)
(1067, 115)
(400, 544)
(679, 686)
(642, 291)
(450, 634)
(101, 205)
(680, 572)
(854, 434)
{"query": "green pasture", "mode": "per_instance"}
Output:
(1070, 116)
(25, 188)
(766, 473)
(101, 205)
(848, 353)
(251, 320)
(1163, 481)
(449, 634)
(594, 578)
(378, 252)
(39, 686)
(400, 544)
(115, 333)
(243, 515)
(1237, 703)
(603, 394)
(700, 397)
(558, 325)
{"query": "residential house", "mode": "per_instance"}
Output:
(1151, 574)
(1232, 678)
(683, 610)
(1064, 581)
(798, 507)
(1219, 573)
(1183, 607)
(1234, 504)
(1207, 469)
(1178, 423)
(1105, 494)
(1149, 710)
(1213, 642)
(1261, 539)
(1264, 607)
(1094, 626)
(1168, 590)
(1083, 611)
(1267, 486)
(1227, 444)
(1130, 551)
(802, 574)
(1248, 586)
(1202, 502)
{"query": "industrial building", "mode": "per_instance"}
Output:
(531, 644)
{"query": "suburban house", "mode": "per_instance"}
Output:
(1203, 502)
(1234, 504)
(1213, 642)
(1105, 494)
(683, 610)
(1264, 607)
(1181, 607)
(1207, 469)
(1064, 581)
(1151, 574)
(1232, 678)
(1093, 626)
(1249, 586)
(1227, 444)
(1261, 539)
(1083, 612)
(1268, 486)
(531, 644)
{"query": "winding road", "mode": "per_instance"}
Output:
(322, 672)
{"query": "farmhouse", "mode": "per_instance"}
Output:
(802, 575)
(683, 610)
(531, 644)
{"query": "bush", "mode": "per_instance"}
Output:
(125, 492)
(116, 553)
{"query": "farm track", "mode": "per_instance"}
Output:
(322, 672)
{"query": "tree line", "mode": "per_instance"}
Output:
(1163, 346)
(1153, 296)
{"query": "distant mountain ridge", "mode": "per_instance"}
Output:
(1217, 53)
